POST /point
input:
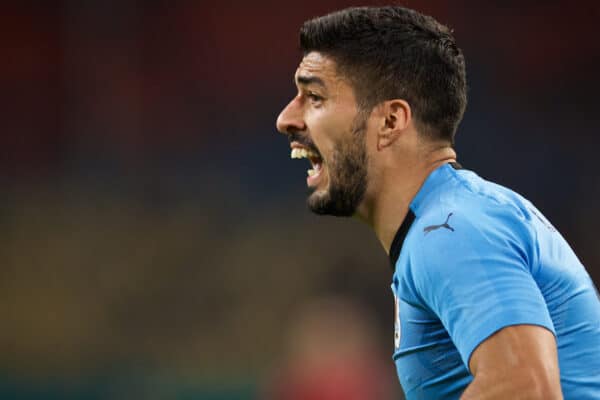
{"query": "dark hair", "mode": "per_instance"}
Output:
(394, 52)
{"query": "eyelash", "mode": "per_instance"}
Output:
(314, 97)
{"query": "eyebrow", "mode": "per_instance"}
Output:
(307, 80)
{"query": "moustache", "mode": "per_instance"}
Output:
(303, 140)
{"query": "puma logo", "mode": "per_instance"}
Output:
(435, 227)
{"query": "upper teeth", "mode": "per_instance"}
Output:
(302, 153)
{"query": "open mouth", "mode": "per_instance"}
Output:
(316, 161)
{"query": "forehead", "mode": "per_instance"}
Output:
(316, 64)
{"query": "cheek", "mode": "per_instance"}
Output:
(327, 128)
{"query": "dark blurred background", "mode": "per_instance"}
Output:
(155, 243)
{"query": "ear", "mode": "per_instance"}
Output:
(397, 117)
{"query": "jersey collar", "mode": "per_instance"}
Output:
(432, 182)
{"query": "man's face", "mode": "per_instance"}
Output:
(324, 124)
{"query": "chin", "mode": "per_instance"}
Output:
(321, 202)
(318, 200)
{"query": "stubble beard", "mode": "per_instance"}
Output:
(347, 176)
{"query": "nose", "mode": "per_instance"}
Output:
(290, 119)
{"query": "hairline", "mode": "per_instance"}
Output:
(363, 102)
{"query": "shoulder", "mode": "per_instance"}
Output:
(465, 222)
(475, 205)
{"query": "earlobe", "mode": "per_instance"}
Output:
(385, 139)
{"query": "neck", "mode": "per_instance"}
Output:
(385, 210)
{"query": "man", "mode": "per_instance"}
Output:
(491, 303)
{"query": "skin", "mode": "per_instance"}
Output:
(518, 362)
(323, 100)
(324, 113)
(399, 158)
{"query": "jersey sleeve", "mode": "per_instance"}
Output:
(477, 279)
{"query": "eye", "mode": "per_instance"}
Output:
(314, 98)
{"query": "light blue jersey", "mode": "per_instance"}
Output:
(471, 258)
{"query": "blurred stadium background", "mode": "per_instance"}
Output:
(155, 243)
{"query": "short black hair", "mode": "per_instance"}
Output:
(394, 52)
